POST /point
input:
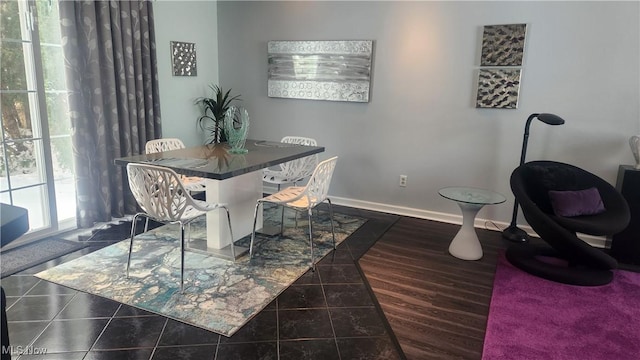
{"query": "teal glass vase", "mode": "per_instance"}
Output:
(236, 126)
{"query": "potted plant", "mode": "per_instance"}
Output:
(214, 110)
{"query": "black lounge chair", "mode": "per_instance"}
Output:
(558, 201)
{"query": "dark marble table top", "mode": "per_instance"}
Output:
(216, 162)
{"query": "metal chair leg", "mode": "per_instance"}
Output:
(181, 258)
(282, 222)
(133, 233)
(333, 230)
(295, 218)
(313, 265)
(253, 232)
(233, 246)
(281, 217)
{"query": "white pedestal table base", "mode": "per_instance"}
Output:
(240, 193)
(465, 245)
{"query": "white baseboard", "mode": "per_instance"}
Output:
(596, 241)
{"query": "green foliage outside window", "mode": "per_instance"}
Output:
(17, 106)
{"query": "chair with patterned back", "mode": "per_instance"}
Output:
(162, 196)
(292, 171)
(191, 183)
(303, 198)
(165, 144)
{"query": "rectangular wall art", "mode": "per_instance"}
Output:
(320, 70)
(183, 58)
(498, 88)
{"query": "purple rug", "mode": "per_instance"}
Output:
(533, 318)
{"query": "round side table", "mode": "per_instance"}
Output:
(465, 245)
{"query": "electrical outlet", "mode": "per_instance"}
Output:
(403, 181)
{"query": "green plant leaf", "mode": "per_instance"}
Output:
(214, 109)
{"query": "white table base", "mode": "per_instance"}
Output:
(465, 245)
(240, 193)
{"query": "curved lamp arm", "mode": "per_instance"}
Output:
(512, 232)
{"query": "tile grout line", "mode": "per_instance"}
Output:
(277, 328)
(104, 329)
(333, 329)
(155, 347)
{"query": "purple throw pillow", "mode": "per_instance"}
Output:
(576, 203)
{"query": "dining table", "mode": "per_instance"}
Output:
(233, 179)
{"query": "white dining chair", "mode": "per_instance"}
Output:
(191, 183)
(163, 144)
(303, 198)
(292, 171)
(163, 198)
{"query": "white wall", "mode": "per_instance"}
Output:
(187, 21)
(581, 63)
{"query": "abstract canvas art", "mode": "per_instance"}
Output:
(320, 70)
(183, 58)
(503, 45)
(498, 88)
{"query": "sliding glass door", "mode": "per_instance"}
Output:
(36, 164)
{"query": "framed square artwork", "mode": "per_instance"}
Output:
(503, 45)
(183, 58)
(498, 88)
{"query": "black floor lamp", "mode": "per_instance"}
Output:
(513, 232)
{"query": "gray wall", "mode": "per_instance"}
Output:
(187, 21)
(581, 62)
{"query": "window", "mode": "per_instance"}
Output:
(36, 163)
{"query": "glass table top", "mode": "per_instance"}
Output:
(217, 162)
(471, 195)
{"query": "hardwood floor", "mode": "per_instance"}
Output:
(437, 305)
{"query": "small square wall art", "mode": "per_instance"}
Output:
(503, 45)
(498, 88)
(183, 58)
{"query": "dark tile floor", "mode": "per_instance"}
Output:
(326, 314)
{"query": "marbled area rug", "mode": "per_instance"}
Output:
(219, 295)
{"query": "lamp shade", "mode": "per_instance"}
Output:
(551, 119)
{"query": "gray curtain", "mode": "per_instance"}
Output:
(111, 70)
